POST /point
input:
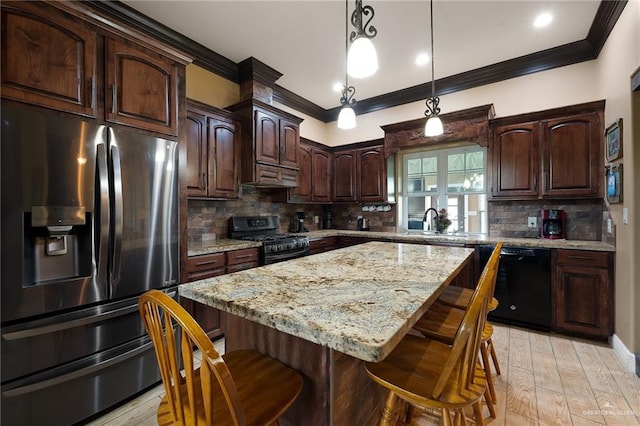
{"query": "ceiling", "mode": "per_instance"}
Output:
(305, 40)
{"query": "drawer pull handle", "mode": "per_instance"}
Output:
(242, 256)
(210, 262)
(580, 257)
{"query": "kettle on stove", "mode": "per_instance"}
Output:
(363, 224)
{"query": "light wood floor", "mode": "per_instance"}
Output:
(546, 380)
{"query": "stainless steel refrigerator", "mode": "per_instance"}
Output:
(89, 222)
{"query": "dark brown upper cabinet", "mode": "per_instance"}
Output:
(359, 175)
(49, 59)
(141, 88)
(58, 55)
(197, 152)
(270, 142)
(213, 152)
(314, 179)
(320, 176)
(572, 156)
(371, 176)
(515, 160)
(344, 175)
(548, 154)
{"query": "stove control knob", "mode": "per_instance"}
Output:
(291, 245)
(280, 247)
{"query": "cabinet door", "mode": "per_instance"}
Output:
(48, 58)
(196, 154)
(223, 159)
(302, 193)
(267, 144)
(371, 177)
(582, 302)
(344, 176)
(572, 157)
(321, 177)
(141, 88)
(289, 142)
(515, 165)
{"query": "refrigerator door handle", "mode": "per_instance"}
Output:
(102, 241)
(117, 215)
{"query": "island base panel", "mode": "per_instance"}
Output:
(336, 391)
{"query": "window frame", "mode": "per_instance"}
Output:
(442, 194)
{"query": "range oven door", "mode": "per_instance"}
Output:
(270, 258)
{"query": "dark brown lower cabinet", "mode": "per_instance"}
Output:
(321, 245)
(211, 265)
(582, 293)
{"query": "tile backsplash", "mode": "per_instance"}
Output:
(509, 218)
(208, 219)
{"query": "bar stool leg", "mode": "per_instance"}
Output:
(487, 369)
(389, 409)
(494, 357)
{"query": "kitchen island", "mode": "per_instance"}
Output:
(326, 314)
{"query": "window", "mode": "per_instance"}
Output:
(454, 179)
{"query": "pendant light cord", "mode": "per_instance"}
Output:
(346, 42)
(433, 75)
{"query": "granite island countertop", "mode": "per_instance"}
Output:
(358, 300)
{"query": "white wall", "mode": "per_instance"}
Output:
(619, 59)
(568, 85)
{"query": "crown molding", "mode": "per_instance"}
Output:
(584, 50)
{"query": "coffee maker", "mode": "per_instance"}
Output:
(326, 218)
(297, 222)
(553, 224)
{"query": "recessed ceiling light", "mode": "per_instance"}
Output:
(338, 86)
(543, 20)
(422, 59)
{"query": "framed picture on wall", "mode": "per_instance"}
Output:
(613, 140)
(614, 183)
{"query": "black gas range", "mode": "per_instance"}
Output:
(276, 247)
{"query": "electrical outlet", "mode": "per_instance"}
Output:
(532, 222)
(625, 216)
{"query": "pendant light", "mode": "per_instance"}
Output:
(362, 59)
(433, 127)
(347, 116)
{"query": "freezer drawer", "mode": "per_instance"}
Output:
(73, 392)
(34, 346)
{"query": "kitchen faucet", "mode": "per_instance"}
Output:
(426, 213)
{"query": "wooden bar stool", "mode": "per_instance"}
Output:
(434, 375)
(240, 388)
(442, 321)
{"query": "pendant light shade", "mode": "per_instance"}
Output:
(362, 60)
(347, 118)
(433, 126)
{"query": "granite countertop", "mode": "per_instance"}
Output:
(217, 246)
(465, 239)
(361, 305)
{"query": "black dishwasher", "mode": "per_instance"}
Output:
(523, 286)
